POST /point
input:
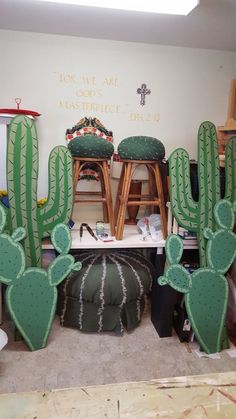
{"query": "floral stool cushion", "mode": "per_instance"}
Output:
(89, 138)
(108, 293)
(141, 148)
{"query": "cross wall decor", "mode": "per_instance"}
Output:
(143, 91)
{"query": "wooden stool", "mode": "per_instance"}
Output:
(104, 196)
(154, 198)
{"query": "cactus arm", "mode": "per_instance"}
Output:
(12, 258)
(224, 214)
(60, 268)
(183, 205)
(8, 218)
(209, 183)
(174, 248)
(208, 233)
(61, 238)
(208, 174)
(6, 281)
(230, 170)
(60, 200)
(3, 219)
(176, 275)
(19, 234)
(22, 173)
(63, 264)
(178, 278)
(77, 266)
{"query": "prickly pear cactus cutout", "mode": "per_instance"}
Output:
(221, 245)
(31, 294)
(206, 290)
(192, 215)
(22, 178)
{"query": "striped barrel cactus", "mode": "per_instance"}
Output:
(107, 294)
(22, 178)
(195, 216)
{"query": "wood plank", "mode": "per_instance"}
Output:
(212, 396)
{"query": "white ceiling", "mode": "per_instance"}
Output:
(211, 25)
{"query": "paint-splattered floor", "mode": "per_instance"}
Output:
(207, 396)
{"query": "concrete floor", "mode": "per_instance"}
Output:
(75, 359)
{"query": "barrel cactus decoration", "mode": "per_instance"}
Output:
(108, 293)
(195, 216)
(22, 177)
(206, 290)
(31, 294)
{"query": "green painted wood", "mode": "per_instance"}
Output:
(22, 180)
(206, 290)
(31, 294)
(192, 215)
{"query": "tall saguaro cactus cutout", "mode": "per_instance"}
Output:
(206, 289)
(32, 293)
(192, 215)
(22, 178)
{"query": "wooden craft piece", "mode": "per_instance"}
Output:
(31, 294)
(22, 178)
(206, 289)
(231, 115)
(195, 216)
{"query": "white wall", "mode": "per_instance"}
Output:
(64, 78)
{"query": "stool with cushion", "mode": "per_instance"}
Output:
(108, 293)
(91, 148)
(133, 152)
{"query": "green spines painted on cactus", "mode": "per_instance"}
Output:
(206, 290)
(22, 178)
(192, 215)
(32, 294)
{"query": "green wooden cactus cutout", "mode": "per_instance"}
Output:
(174, 250)
(22, 178)
(192, 215)
(61, 239)
(2, 220)
(221, 245)
(206, 290)
(174, 247)
(31, 294)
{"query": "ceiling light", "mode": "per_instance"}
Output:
(175, 7)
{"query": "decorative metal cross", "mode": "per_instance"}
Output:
(143, 91)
